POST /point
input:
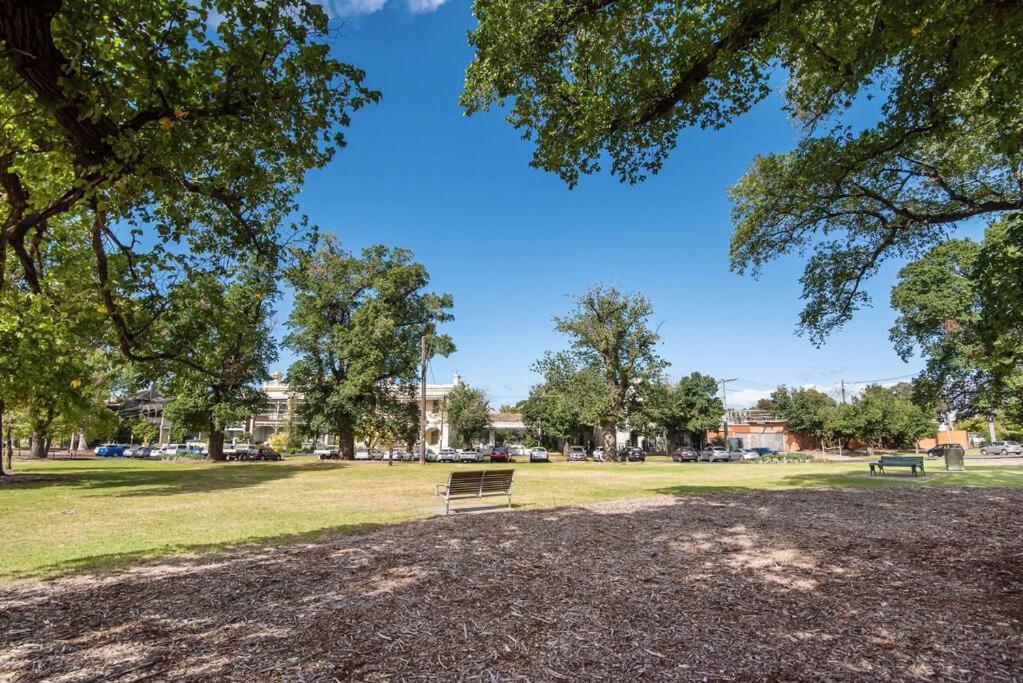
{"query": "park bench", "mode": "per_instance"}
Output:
(475, 484)
(912, 461)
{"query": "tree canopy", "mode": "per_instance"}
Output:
(609, 329)
(224, 327)
(355, 328)
(181, 131)
(468, 412)
(590, 81)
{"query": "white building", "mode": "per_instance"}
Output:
(283, 404)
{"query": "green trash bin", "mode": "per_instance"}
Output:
(954, 456)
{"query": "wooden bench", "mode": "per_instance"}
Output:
(912, 461)
(475, 484)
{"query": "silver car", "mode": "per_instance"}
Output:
(1002, 448)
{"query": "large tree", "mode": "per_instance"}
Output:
(179, 131)
(468, 412)
(591, 81)
(690, 405)
(571, 397)
(958, 306)
(610, 329)
(355, 329)
(223, 327)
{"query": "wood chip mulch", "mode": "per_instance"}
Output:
(900, 583)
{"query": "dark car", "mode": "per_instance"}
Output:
(939, 450)
(761, 451)
(685, 454)
(257, 453)
(634, 454)
(500, 454)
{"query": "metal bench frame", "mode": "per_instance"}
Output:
(898, 461)
(475, 484)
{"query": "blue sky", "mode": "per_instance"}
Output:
(511, 242)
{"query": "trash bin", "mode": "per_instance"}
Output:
(954, 458)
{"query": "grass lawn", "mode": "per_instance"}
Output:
(103, 513)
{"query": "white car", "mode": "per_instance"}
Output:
(326, 452)
(172, 450)
(447, 455)
(470, 455)
(363, 454)
(598, 455)
(539, 455)
(577, 453)
(1002, 448)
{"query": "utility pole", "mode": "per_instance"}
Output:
(422, 401)
(843, 392)
(724, 403)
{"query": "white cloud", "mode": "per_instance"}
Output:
(344, 8)
(348, 7)
(423, 6)
(746, 398)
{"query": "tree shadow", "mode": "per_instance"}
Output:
(164, 479)
(766, 584)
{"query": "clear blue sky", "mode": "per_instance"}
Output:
(511, 242)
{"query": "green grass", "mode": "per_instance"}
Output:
(97, 514)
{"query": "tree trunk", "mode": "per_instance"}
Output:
(216, 445)
(346, 440)
(3, 472)
(610, 436)
(40, 445)
(10, 445)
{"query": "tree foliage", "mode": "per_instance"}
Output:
(571, 397)
(690, 405)
(609, 330)
(621, 81)
(223, 326)
(957, 305)
(468, 412)
(175, 135)
(355, 328)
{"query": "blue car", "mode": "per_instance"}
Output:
(110, 450)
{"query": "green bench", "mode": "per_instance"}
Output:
(912, 461)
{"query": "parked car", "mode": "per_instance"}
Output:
(500, 454)
(576, 454)
(110, 450)
(447, 455)
(363, 454)
(327, 452)
(137, 452)
(634, 454)
(539, 455)
(173, 450)
(1002, 448)
(470, 455)
(257, 453)
(761, 451)
(712, 453)
(685, 454)
(598, 455)
(937, 451)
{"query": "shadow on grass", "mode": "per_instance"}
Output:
(187, 555)
(164, 479)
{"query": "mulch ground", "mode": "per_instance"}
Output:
(906, 583)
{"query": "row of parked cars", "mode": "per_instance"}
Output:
(246, 452)
(719, 454)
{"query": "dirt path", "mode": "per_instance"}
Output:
(807, 584)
